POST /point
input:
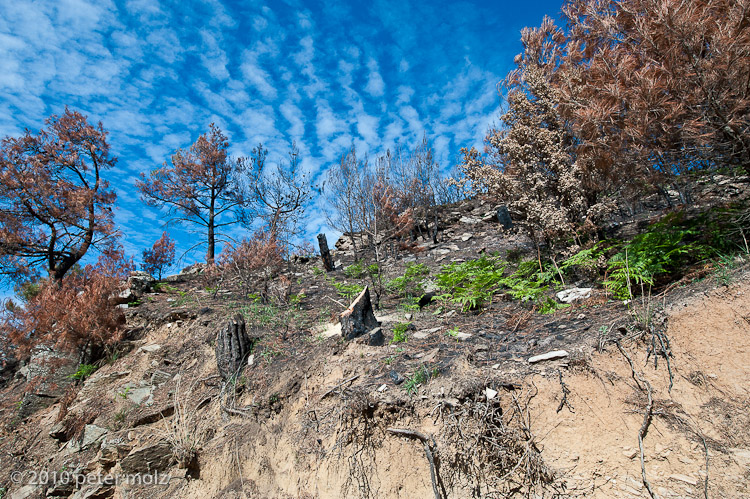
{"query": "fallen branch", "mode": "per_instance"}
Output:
(428, 452)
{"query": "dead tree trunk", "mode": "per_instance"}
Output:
(325, 254)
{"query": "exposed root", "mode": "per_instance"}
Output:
(641, 382)
(494, 450)
(565, 392)
(434, 476)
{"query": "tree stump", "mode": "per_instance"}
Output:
(325, 253)
(503, 216)
(359, 318)
(233, 345)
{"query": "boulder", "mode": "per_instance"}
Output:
(140, 283)
(359, 318)
(233, 345)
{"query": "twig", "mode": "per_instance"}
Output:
(339, 385)
(337, 302)
(428, 452)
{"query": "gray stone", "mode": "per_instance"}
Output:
(359, 318)
(92, 435)
(155, 456)
(150, 348)
(140, 283)
(574, 294)
(396, 377)
(58, 431)
(470, 220)
(49, 373)
(160, 377)
(557, 354)
(26, 492)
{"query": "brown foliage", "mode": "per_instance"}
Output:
(253, 261)
(54, 205)
(159, 257)
(659, 87)
(199, 187)
(75, 313)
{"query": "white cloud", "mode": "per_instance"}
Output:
(375, 84)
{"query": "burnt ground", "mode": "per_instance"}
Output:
(311, 413)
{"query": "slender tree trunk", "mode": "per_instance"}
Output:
(210, 253)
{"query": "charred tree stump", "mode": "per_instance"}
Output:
(325, 254)
(359, 318)
(503, 216)
(233, 345)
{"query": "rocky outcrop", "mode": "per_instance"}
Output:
(156, 456)
(49, 375)
(359, 318)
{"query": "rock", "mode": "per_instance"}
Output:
(96, 490)
(61, 488)
(490, 393)
(556, 354)
(684, 478)
(138, 395)
(462, 336)
(630, 453)
(92, 435)
(150, 348)
(396, 377)
(140, 283)
(114, 447)
(573, 294)
(466, 236)
(26, 492)
(233, 345)
(359, 318)
(382, 388)
(50, 374)
(160, 377)
(470, 220)
(156, 456)
(58, 431)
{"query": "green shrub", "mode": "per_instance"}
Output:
(84, 371)
(471, 284)
(345, 290)
(421, 376)
(355, 271)
(664, 248)
(399, 332)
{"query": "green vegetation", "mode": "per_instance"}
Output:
(399, 332)
(473, 283)
(664, 248)
(346, 290)
(421, 376)
(161, 287)
(84, 371)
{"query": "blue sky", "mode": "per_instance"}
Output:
(327, 74)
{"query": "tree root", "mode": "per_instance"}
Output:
(641, 382)
(428, 452)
